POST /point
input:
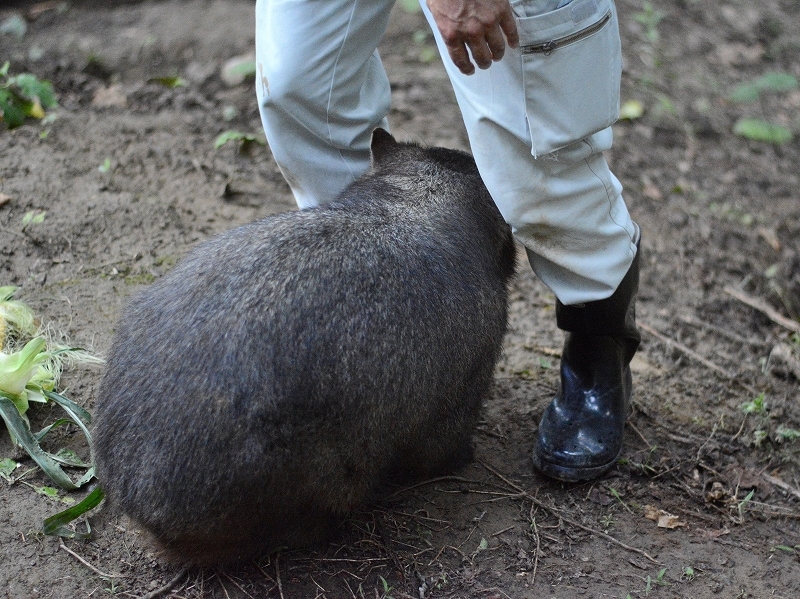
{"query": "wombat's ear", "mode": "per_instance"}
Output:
(383, 145)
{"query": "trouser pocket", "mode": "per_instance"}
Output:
(572, 64)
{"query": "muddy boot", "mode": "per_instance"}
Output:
(580, 436)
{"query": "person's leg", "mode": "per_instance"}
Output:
(321, 89)
(538, 123)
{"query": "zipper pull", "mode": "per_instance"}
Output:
(548, 47)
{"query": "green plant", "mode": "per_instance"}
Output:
(743, 503)
(30, 367)
(649, 17)
(761, 130)
(174, 81)
(658, 581)
(756, 406)
(787, 434)
(244, 139)
(23, 96)
(752, 91)
(387, 590)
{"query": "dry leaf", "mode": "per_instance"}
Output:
(110, 97)
(662, 518)
(771, 237)
(652, 192)
(716, 493)
(4, 199)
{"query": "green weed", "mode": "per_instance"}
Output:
(245, 140)
(649, 17)
(23, 96)
(756, 406)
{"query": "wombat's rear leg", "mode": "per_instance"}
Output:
(445, 444)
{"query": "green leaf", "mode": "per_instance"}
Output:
(7, 466)
(232, 135)
(32, 217)
(47, 491)
(80, 416)
(18, 368)
(55, 525)
(169, 81)
(42, 433)
(69, 458)
(777, 82)
(32, 89)
(11, 110)
(745, 93)
(759, 130)
(14, 25)
(774, 81)
(22, 432)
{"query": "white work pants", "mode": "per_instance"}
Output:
(538, 121)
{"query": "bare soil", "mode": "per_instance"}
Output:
(721, 222)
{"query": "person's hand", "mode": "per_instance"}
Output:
(483, 26)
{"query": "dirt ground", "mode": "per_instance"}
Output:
(720, 216)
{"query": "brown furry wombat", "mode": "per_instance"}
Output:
(283, 369)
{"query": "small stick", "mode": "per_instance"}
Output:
(765, 308)
(278, 575)
(569, 521)
(689, 352)
(641, 436)
(779, 483)
(167, 587)
(719, 331)
(538, 545)
(237, 585)
(741, 428)
(85, 563)
(707, 441)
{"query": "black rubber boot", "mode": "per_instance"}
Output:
(580, 436)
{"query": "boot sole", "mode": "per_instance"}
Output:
(572, 474)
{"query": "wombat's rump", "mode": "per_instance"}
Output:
(272, 379)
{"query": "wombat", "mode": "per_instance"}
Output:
(273, 379)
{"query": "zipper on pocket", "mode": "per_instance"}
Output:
(547, 48)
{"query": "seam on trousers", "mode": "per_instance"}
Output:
(330, 91)
(609, 192)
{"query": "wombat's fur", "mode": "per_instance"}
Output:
(280, 371)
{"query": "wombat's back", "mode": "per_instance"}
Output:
(280, 370)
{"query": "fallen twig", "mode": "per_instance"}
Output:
(690, 320)
(236, 584)
(559, 514)
(731, 376)
(689, 352)
(779, 483)
(765, 308)
(538, 544)
(85, 563)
